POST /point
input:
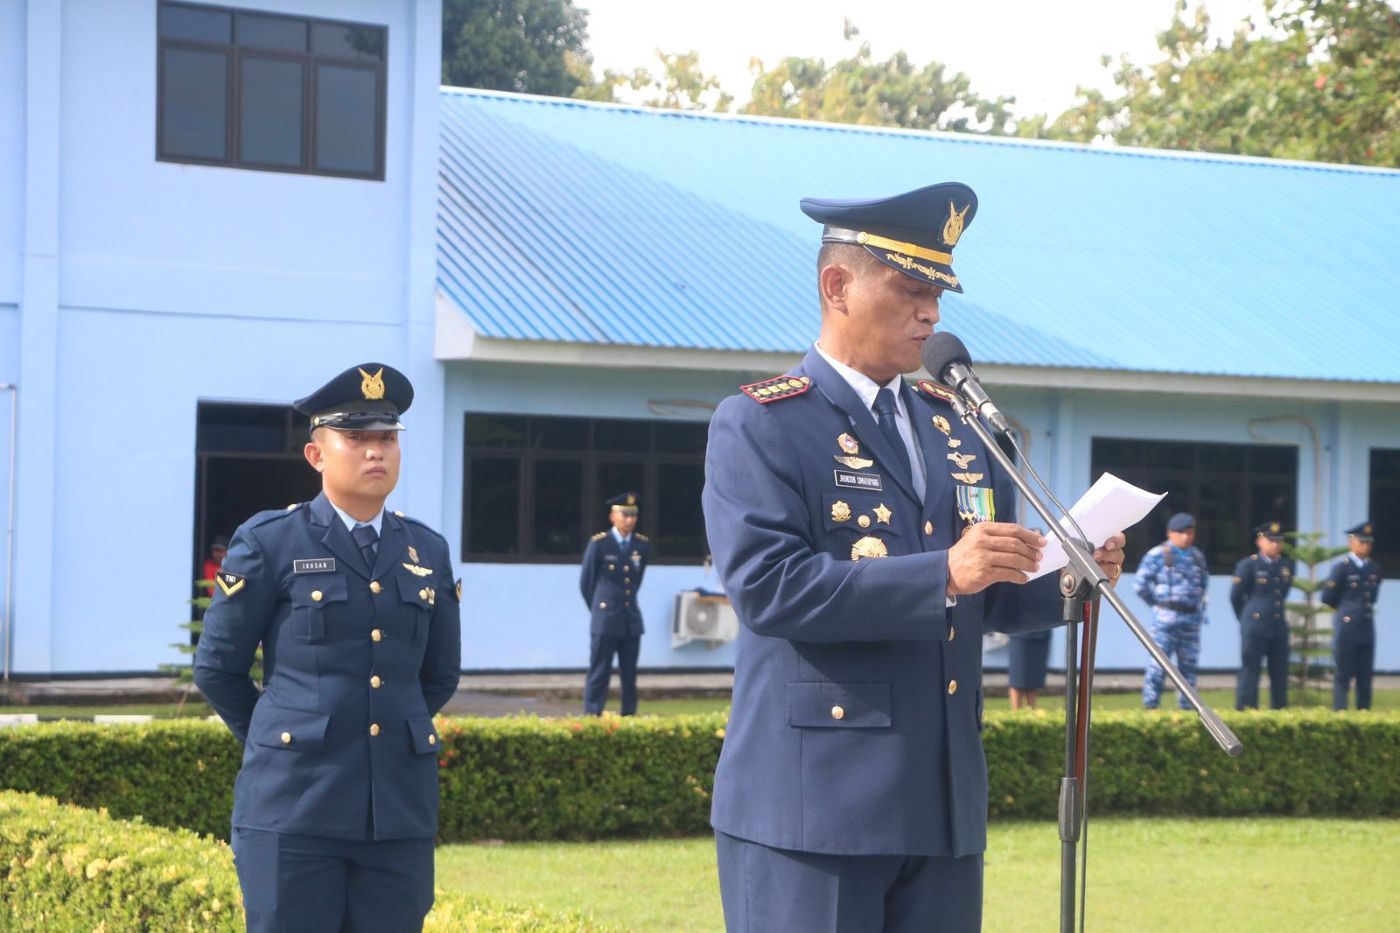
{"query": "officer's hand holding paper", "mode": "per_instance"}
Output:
(1111, 505)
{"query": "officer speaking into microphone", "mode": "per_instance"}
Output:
(335, 806)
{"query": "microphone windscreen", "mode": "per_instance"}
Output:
(943, 348)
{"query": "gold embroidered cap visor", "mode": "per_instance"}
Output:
(914, 232)
(368, 397)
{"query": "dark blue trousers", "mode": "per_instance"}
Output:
(310, 884)
(1271, 644)
(600, 657)
(1353, 661)
(767, 890)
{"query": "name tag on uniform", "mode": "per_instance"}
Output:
(859, 480)
(314, 565)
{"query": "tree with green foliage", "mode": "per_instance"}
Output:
(859, 89)
(1303, 79)
(680, 85)
(529, 46)
(1308, 640)
(184, 673)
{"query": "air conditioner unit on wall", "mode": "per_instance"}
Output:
(704, 618)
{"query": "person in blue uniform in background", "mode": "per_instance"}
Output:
(1028, 658)
(1259, 595)
(1173, 578)
(335, 806)
(613, 565)
(1351, 590)
(859, 530)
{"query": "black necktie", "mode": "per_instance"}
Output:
(885, 411)
(368, 540)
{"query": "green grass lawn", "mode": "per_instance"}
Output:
(158, 710)
(1274, 875)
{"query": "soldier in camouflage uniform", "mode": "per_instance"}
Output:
(1172, 579)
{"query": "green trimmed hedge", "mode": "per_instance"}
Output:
(66, 868)
(529, 778)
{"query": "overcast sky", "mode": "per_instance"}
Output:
(1037, 50)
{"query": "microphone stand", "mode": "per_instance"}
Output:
(1082, 584)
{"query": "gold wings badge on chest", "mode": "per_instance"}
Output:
(417, 571)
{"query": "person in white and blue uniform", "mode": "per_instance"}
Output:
(1351, 589)
(1259, 596)
(866, 542)
(335, 807)
(1173, 579)
(613, 565)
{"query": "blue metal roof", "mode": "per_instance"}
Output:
(573, 222)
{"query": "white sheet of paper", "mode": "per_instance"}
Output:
(1111, 505)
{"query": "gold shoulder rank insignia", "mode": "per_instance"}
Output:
(641, 537)
(779, 387)
(943, 393)
(599, 536)
(230, 583)
(459, 589)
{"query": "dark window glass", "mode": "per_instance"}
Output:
(1230, 488)
(567, 469)
(261, 429)
(271, 118)
(680, 438)
(559, 433)
(633, 436)
(336, 40)
(194, 94)
(310, 100)
(195, 24)
(495, 431)
(680, 521)
(558, 503)
(1384, 511)
(347, 118)
(271, 32)
(493, 506)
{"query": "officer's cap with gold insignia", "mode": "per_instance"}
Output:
(1362, 532)
(913, 232)
(625, 502)
(1271, 530)
(368, 397)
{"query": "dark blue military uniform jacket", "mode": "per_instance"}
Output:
(609, 581)
(1259, 594)
(340, 743)
(857, 715)
(1351, 591)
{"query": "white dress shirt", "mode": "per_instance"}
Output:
(867, 388)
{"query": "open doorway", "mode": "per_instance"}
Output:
(248, 458)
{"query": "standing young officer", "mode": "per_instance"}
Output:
(335, 807)
(1351, 590)
(861, 533)
(1258, 594)
(613, 564)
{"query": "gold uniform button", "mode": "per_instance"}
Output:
(432, 739)
(838, 713)
(374, 728)
(602, 605)
(316, 596)
(375, 682)
(863, 521)
(423, 593)
(374, 586)
(286, 738)
(376, 635)
(952, 687)
(928, 528)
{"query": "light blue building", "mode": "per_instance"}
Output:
(573, 287)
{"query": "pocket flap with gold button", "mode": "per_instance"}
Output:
(318, 592)
(423, 735)
(291, 729)
(839, 706)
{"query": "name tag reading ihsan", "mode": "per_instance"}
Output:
(314, 565)
(859, 480)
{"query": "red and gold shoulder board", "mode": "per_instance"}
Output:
(770, 390)
(943, 393)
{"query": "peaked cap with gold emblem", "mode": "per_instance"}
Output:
(624, 502)
(913, 232)
(1362, 532)
(368, 397)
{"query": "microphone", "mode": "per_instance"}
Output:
(947, 360)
